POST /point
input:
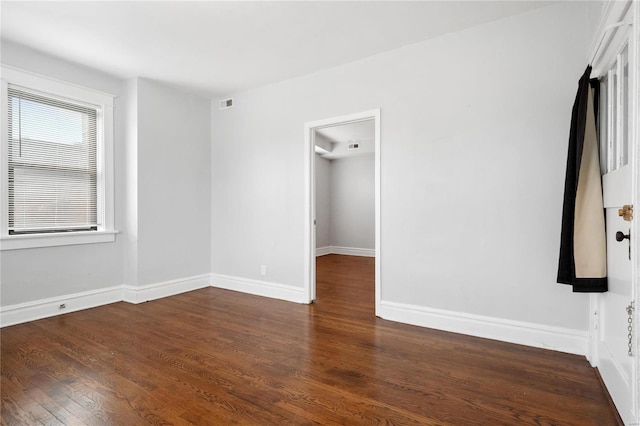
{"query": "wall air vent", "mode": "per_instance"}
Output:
(353, 146)
(226, 103)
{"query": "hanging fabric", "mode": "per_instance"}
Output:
(583, 261)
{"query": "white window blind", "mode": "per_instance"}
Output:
(51, 164)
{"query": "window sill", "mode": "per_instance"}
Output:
(16, 242)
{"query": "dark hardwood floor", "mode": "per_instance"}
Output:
(217, 357)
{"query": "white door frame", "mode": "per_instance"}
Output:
(310, 198)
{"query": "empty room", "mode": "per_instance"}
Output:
(319, 212)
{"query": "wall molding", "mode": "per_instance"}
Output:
(519, 332)
(38, 309)
(323, 251)
(140, 294)
(524, 333)
(259, 288)
(44, 308)
(348, 251)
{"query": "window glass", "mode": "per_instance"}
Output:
(613, 121)
(52, 164)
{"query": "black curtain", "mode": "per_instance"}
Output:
(592, 282)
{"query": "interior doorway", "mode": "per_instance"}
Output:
(322, 137)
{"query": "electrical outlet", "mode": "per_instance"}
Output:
(263, 269)
(63, 306)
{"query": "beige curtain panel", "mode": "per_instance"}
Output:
(583, 258)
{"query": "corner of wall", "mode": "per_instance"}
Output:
(130, 255)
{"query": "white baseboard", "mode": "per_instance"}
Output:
(140, 294)
(348, 251)
(523, 333)
(31, 311)
(44, 308)
(323, 251)
(536, 335)
(259, 288)
(38, 309)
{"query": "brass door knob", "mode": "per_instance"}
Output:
(626, 212)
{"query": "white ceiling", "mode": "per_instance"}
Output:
(221, 47)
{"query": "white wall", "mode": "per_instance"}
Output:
(174, 183)
(474, 136)
(595, 9)
(345, 202)
(32, 274)
(162, 193)
(130, 191)
(353, 202)
(323, 202)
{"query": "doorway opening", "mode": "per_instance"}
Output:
(321, 137)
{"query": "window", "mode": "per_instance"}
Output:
(51, 164)
(56, 163)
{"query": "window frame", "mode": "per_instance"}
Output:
(104, 161)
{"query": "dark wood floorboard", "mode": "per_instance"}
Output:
(217, 357)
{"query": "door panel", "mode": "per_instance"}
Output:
(618, 132)
(616, 186)
(614, 303)
(615, 365)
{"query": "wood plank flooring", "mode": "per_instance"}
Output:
(217, 357)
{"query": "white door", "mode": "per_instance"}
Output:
(616, 357)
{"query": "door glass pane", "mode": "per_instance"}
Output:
(603, 125)
(613, 121)
(623, 143)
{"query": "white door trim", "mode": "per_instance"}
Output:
(309, 208)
